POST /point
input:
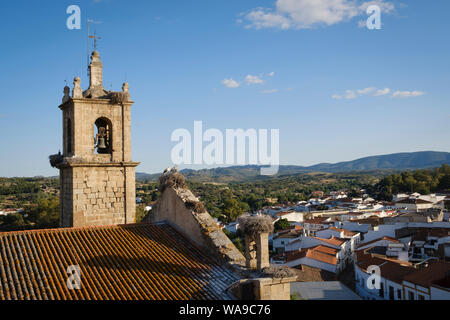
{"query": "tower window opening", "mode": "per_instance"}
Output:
(69, 136)
(103, 136)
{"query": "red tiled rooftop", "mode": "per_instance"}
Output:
(326, 250)
(378, 239)
(332, 240)
(315, 221)
(320, 256)
(391, 270)
(436, 271)
(128, 262)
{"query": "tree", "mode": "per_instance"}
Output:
(140, 213)
(12, 222)
(281, 224)
(232, 209)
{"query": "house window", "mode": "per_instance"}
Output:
(391, 293)
(410, 295)
(381, 293)
(399, 293)
(421, 297)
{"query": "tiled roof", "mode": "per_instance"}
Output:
(319, 253)
(389, 270)
(128, 262)
(333, 241)
(378, 239)
(436, 271)
(316, 221)
(413, 201)
(326, 250)
(321, 256)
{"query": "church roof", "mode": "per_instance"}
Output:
(122, 262)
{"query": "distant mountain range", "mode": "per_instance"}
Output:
(396, 161)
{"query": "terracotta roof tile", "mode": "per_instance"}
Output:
(333, 241)
(436, 271)
(128, 262)
(378, 239)
(320, 256)
(389, 270)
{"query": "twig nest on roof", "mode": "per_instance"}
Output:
(56, 159)
(254, 225)
(172, 180)
(195, 206)
(278, 272)
(118, 97)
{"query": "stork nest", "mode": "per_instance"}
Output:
(278, 272)
(56, 159)
(195, 206)
(254, 225)
(172, 180)
(118, 97)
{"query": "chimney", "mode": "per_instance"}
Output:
(256, 230)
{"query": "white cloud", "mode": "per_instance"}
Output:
(230, 83)
(386, 7)
(271, 74)
(407, 94)
(253, 79)
(350, 94)
(366, 90)
(303, 14)
(382, 92)
(270, 91)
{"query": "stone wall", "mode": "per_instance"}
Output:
(263, 289)
(98, 195)
(177, 207)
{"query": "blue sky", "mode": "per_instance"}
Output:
(314, 63)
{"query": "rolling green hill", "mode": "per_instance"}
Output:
(390, 162)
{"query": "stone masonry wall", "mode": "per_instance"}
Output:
(198, 226)
(99, 196)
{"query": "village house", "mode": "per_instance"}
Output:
(291, 216)
(311, 226)
(400, 281)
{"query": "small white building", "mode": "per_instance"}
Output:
(291, 216)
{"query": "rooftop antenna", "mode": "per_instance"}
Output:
(88, 51)
(89, 21)
(95, 40)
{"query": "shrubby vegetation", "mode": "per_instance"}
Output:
(281, 224)
(225, 201)
(422, 181)
(43, 214)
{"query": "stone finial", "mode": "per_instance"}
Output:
(66, 94)
(95, 72)
(77, 92)
(125, 88)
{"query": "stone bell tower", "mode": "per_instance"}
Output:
(97, 174)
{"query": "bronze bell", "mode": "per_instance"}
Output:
(101, 143)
